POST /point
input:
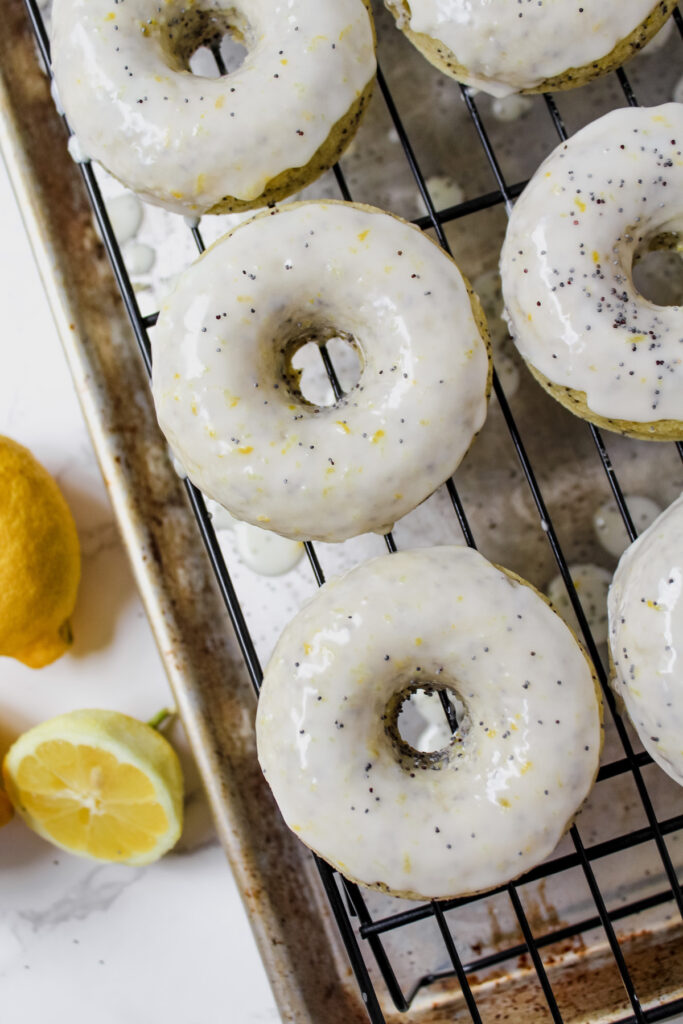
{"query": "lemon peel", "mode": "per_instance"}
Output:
(40, 561)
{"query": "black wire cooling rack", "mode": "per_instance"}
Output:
(345, 898)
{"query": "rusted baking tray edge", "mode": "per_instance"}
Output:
(173, 574)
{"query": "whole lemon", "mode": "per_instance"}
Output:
(40, 562)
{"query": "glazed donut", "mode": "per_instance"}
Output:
(610, 193)
(645, 608)
(200, 145)
(228, 399)
(450, 822)
(503, 47)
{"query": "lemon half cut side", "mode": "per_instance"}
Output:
(98, 784)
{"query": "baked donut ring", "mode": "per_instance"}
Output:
(464, 819)
(645, 607)
(504, 47)
(608, 194)
(203, 145)
(229, 401)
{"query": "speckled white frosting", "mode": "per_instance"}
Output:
(645, 605)
(185, 141)
(566, 264)
(524, 757)
(510, 46)
(248, 439)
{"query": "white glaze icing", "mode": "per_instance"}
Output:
(591, 583)
(444, 191)
(507, 47)
(185, 141)
(522, 761)
(261, 550)
(266, 553)
(646, 637)
(511, 108)
(139, 257)
(220, 517)
(56, 98)
(244, 435)
(125, 216)
(567, 257)
(609, 525)
(76, 151)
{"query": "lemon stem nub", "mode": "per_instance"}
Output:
(161, 716)
(66, 633)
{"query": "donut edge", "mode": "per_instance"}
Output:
(438, 54)
(292, 180)
(618, 682)
(576, 403)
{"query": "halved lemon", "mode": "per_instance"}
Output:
(98, 784)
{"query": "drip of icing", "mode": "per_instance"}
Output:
(56, 98)
(592, 583)
(178, 466)
(265, 552)
(609, 526)
(76, 151)
(261, 551)
(139, 257)
(444, 191)
(125, 216)
(220, 517)
(511, 108)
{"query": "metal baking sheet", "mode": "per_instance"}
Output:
(296, 936)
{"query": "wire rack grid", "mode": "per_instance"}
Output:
(365, 939)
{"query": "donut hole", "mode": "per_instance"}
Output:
(425, 722)
(306, 371)
(216, 61)
(658, 270)
(207, 43)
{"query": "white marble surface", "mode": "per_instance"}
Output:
(101, 943)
